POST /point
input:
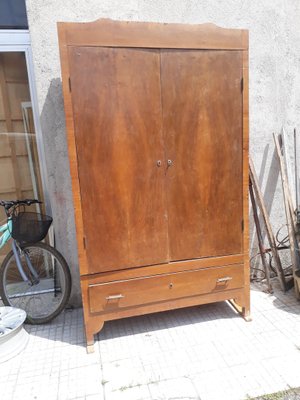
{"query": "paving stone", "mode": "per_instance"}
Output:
(181, 388)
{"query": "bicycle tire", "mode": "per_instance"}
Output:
(9, 267)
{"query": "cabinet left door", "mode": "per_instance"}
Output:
(116, 100)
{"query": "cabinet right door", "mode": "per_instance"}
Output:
(202, 125)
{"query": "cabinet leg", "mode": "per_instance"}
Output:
(90, 348)
(92, 327)
(242, 307)
(90, 342)
(246, 314)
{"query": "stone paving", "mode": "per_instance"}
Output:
(206, 353)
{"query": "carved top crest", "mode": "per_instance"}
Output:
(106, 32)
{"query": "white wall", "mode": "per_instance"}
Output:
(274, 83)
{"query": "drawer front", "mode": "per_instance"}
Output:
(106, 297)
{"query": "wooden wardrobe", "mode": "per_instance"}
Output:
(157, 127)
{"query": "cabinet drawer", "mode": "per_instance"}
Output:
(127, 293)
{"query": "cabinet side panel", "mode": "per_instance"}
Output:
(83, 264)
(246, 176)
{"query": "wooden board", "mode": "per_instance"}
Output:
(269, 231)
(202, 111)
(105, 32)
(172, 267)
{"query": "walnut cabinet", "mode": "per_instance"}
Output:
(157, 127)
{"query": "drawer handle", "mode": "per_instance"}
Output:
(114, 297)
(225, 279)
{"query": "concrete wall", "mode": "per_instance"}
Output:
(274, 83)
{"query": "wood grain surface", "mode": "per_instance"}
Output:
(139, 93)
(246, 302)
(121, 294)
(118, 129)
(202, 124)
(106, 32)
(171, 267)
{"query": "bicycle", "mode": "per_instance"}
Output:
(33, 276)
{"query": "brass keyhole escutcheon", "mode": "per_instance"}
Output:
(170, 285)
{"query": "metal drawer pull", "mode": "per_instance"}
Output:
(225, 279)
(114, 297)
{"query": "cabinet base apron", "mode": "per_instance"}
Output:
(114, 296)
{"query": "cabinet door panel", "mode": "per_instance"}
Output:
(202, 123)
(118, 130)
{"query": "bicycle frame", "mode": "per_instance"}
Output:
(5, 230)
(6, 235)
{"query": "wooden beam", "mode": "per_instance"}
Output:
(270, 235)
(286, 155)
(284, 177)
(261, 246)
(289, 211)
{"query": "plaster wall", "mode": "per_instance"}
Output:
(274, 85)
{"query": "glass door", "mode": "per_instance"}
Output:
(21, 151)
(20, 174)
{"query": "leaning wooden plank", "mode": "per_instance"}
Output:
(290, 216)
(292, 201)
(261, 246)
(287, 159)
(287, 202)
(270, 235)
(297, 183)
(285, 182)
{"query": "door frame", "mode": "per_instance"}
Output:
(12, 40)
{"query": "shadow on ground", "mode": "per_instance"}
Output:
(285, 301)
(68, 327)
(167, 320)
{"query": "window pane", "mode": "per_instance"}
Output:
(13, 14)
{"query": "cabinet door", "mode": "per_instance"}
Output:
(202, 123)
(116, 101)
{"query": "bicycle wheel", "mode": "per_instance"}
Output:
(46, 298)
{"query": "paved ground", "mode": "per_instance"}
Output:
(205, 352)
